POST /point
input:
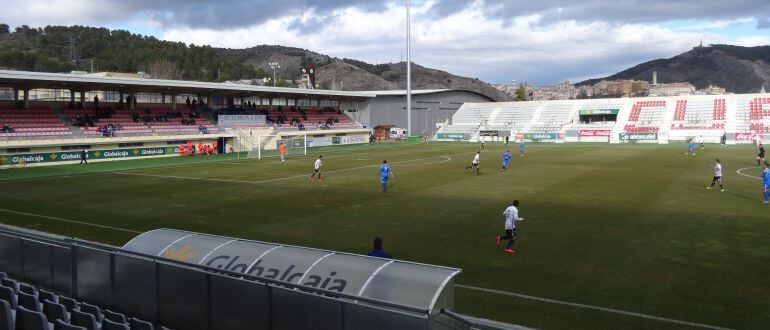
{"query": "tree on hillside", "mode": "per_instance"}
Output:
(164, 69)
(521, 93)
(49, 49)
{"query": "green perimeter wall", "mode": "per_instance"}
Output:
(55, 155)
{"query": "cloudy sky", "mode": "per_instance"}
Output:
(543, 41)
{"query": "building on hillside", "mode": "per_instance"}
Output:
(562, 91)
(672, 89)
(711, 90)
(627, 87)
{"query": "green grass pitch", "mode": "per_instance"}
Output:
(625, 227)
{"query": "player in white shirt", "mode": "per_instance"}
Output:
(511, 217)
(700, 141)
(717, 175)
(481, 139)
(475, 163)
(317, 168)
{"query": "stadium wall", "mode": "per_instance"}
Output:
(429, 108)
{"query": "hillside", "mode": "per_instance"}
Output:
(737, 69)
(348, 74)
(62, 49)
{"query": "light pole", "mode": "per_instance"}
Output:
(274, 66)
(408, 71)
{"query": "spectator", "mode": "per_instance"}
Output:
(96, 101)
(188, 102)
(8, 129)
(378, 251)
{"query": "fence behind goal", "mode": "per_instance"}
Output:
(269, 145)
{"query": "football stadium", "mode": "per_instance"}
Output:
(136, 202)
(620, 230)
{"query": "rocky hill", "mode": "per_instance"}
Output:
(349, 74)
(737, 69)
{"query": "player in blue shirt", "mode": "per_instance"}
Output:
(378, 251)
(384, 175)
(521, 147)
(506, 160)
(766, 184)
(690, 147)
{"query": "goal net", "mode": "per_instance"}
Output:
(269, 145)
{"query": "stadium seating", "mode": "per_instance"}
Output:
(45, 310)
(753, 115)
(553, 117)
(313, 117)
(34, 122)
(514, 116)
(645, 117)
(126, 126)
(699, 115)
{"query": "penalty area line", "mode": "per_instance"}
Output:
(71, 221)
(592, 307)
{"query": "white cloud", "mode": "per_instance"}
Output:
(750, 41)
(470, 43)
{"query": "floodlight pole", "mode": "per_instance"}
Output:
(408, 71)
(274, 65)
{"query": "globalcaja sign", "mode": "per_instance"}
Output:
(452, 136)
(489, 133)
(594, 133)
(596, 112)
(541, 136)
(639, 136)
(65, 156)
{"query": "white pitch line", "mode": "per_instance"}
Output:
(746, 175)
(446, 159)
(71, 221)
(245, 161)
(598, 308)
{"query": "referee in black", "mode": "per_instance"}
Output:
(83, 157)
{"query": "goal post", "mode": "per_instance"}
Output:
(269, 145)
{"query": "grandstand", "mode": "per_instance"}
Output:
(144, 117)
(741, 118)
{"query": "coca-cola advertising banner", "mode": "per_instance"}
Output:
(594, 133)
(748, 136)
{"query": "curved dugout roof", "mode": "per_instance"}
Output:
(399, 282)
